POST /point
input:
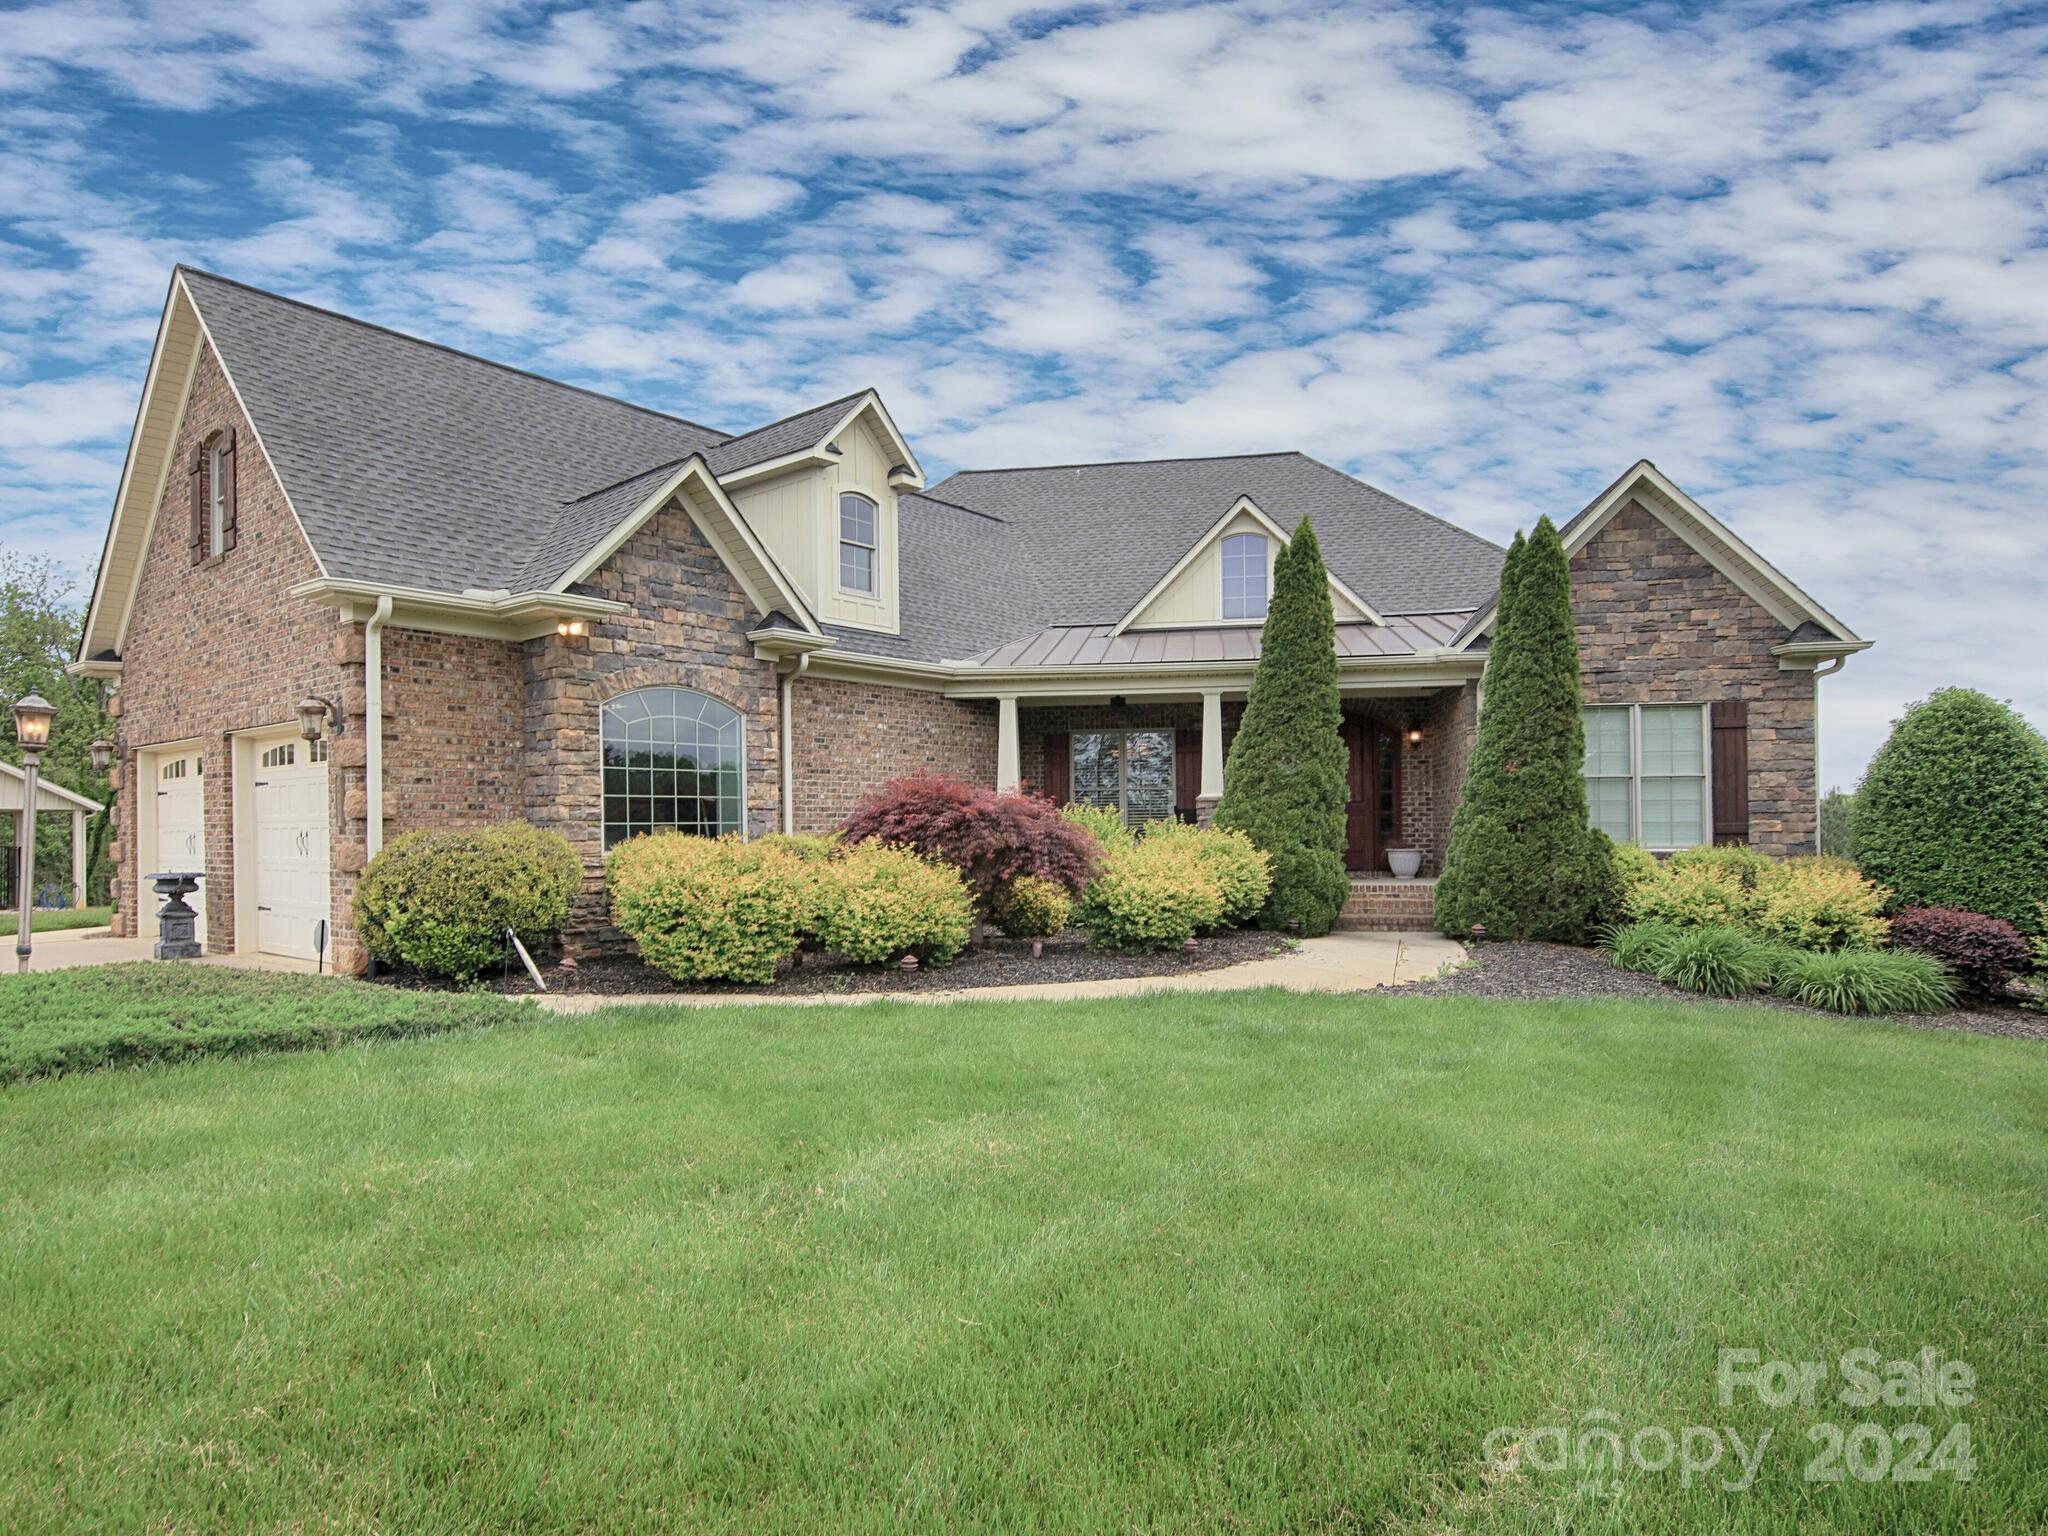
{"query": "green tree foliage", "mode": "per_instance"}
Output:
(1284, 786)
(1523, 859)
(40, 624)
(1838, 824)
(1953, 811)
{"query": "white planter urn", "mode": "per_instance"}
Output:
(1406, 863)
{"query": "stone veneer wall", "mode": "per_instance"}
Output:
(1659, 625)
(846, 738)
(687, 628)
(218, 648)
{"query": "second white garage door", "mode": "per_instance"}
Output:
(290, 806)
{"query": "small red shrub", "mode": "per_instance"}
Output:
(991, 839)
(1983, 952)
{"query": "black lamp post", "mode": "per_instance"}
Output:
(32, 716)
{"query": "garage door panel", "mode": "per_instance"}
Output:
(289, 798)
(181, 824)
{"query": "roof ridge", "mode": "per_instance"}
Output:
(638, 474)
(442, 346)
(822, 405)
(1186, 458)
(1441, 522)
(954, 505)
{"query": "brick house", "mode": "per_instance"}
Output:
(500, 596)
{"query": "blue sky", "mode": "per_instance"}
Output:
(1483, 257)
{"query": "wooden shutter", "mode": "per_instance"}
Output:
(1059, 768)
(227, 470)
(198, 539)
(1187, 770)
(1731, 771)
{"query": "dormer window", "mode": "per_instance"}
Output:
(856, 543)
(1244, 576)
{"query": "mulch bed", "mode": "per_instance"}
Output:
(1539, 972)
(997, 962)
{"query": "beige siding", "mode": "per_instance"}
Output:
(784, 513)
(1195, 595)
(864, 465)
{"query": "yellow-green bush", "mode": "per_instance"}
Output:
(1240, 868)
(1698, 895)
(1105, 821)
(1153, 895)
(1634, 867)
(1821, 903)
(808, 846)
(878, 902)
(1034, 909)
(441, 901)
(705, 910)
(1737, 862)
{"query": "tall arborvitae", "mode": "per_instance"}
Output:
(1524, 860)
(1284, 785)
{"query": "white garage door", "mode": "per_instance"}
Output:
(289, 797)
(180, 828)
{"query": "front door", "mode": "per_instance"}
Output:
(1372, 811)
(180, 827)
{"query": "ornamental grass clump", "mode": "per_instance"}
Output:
(441, 902)
(1154, 895)
(878, 902)
(703, 909)
(1242, 870)
(1719, 962)
(1866, 981)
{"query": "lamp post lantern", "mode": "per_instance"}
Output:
(32, 716)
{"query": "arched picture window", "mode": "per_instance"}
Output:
(1244, 576)
(856, 543)
(673, 760)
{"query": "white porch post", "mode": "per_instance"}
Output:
(78, 858)
(1009, 756)
(1212, 744)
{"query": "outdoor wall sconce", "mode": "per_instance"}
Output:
(572, 629)
(1414, 735)
(317, 713)
(102, 755)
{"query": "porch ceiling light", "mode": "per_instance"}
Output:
(32, 716)
(316, 714)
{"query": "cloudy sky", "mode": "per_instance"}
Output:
(1483, 257)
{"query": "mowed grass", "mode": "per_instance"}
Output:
(56, 921)
(1248, 1262)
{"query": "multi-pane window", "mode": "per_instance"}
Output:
(1646, 773)
(281, 756)
(1244, 576)
(856, 543)
(1130, 771)
(217, 496)
(672, 761)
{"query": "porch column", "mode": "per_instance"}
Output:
(1009, 757)
(1212, 755)
(78, 858)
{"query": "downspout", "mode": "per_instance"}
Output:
(373, 724)
(786, 687)
(1827, 669)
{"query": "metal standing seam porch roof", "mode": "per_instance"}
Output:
(1083, 645)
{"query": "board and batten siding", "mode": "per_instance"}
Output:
(1195, 595)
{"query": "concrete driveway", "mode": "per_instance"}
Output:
(97, 946)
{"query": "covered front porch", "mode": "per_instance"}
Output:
(1161, 753)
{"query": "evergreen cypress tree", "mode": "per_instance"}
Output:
(1524, 860)
(1284, 785)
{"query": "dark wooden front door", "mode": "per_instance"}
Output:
(1372, 814)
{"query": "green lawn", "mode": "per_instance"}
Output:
(1251, 1262)
(56, 922)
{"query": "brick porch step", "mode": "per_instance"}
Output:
(1387, 905)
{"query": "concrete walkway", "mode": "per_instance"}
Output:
(97, 946)
(1340, 962)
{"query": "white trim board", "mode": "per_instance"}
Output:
(1244, 506)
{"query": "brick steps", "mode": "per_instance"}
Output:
(1390, 906)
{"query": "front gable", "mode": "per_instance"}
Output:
(1190, 594)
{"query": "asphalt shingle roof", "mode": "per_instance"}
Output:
(792, 434)
(411, 463)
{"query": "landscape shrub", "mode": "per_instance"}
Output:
(1154, 895)
(1953, 811)
(1865, 981)
(1284, 785)
(1242, 870)
(440, 902)
(880, 902)
(1820, 903)
(1105, 822)
(1524, 860)
(704, 909)
(1635, 866)
(1034, 908)
(1720, 962)
(1982, 953)
(1699, 895)
(1736, 862)
(990, 839)
(808, 846)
